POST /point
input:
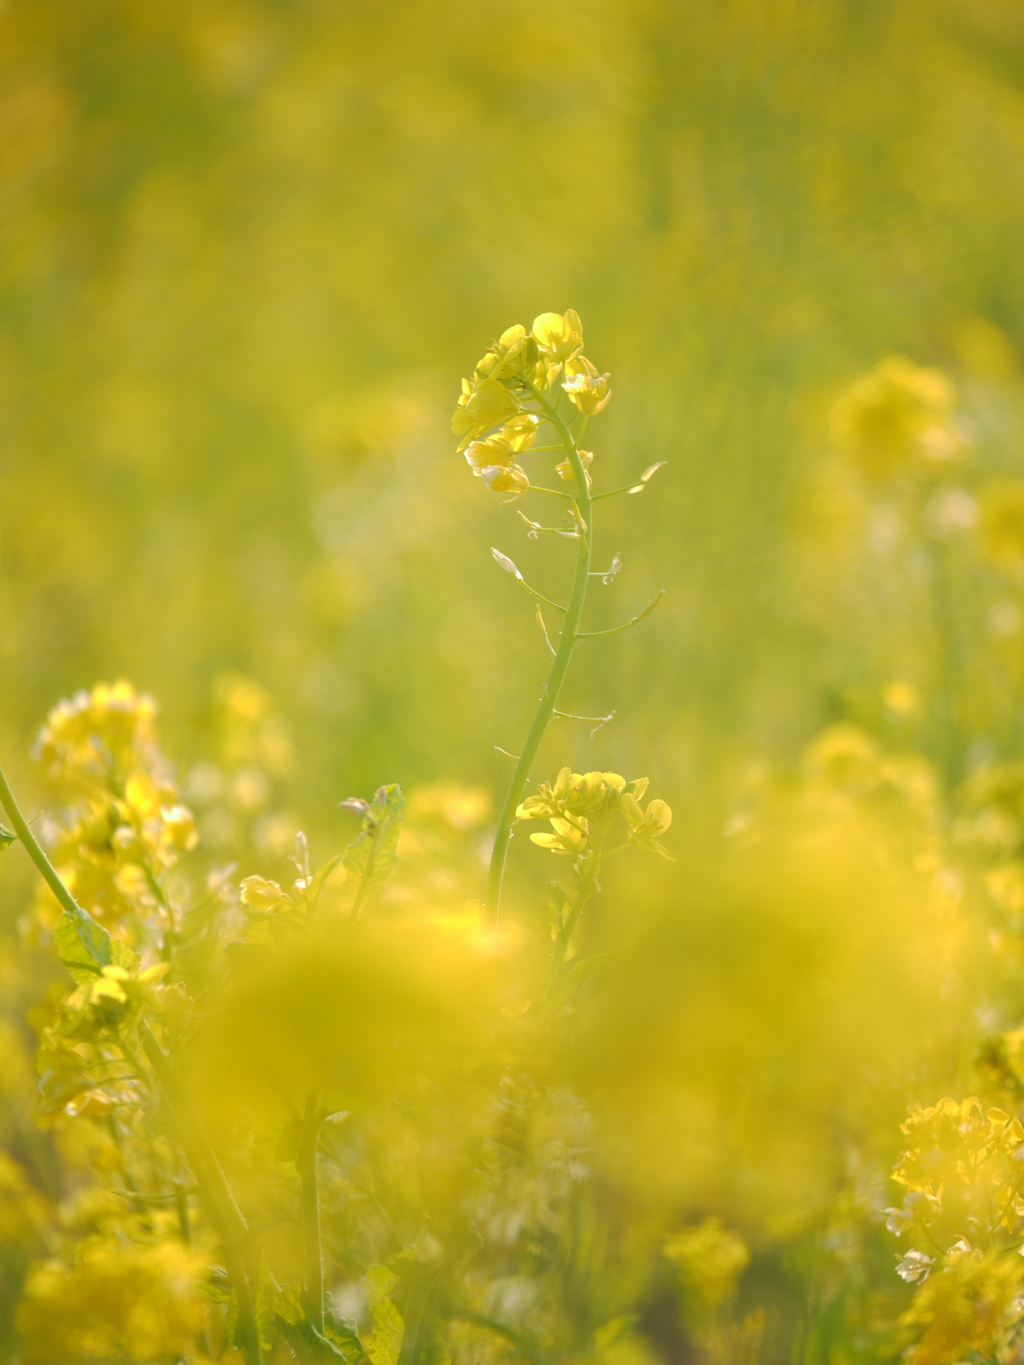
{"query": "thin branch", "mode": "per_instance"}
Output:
(555, 492)
(601, 720)
(544, 631)
(626, 625)
(626, 488)
(541, 598)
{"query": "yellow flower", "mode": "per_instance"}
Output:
(485, 403)
(97, 738)
(646, 825)
(521, 431)
(568, 836)
(962, 1168)
(499, 451)
(574, 793)
(901, 698)
(711, 1259)
(109, 984)
(898, 416)
(259, 893)
(495, 450)
(585, 387)
(967, 1307)
(179, 827)
(115, 1301)
(559, 335)
(510, 354)
(1001, 523)
(564, 469)
(505, 478)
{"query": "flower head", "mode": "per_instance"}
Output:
(574, 800)
(585, 387)
(568, 835)
(559, 335)
(1001, 524)
(493, 450)
(485, 403)
(897, 418)
(646, 825)
(512, 352)
(505, 478)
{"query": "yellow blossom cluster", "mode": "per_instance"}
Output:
(494, 421)
(711, 1258)
(1001, 524)
(575, 802)
(971, 1305)
(898, 419)
(113, 1300)
(125, 826)
(963, 1169)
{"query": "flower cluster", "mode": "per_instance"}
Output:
(113, 1299)
(963, 1169)
(711, 1258)
(493, 420)
(576, 801)
(972, 1305)
(125, 826)
(1001, 525)
(898, 419)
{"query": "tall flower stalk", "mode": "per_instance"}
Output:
(517, 389)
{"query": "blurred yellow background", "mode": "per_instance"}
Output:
(247, 250)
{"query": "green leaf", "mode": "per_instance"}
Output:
(307, 1342)
(6, 839)
(85, 948)
(384, 1344)
(560, 906)
(264, 1304)
(215, 1290)
(342, 1333)
(319, 880)
(570, 982)
(83, 954)
(370, 858)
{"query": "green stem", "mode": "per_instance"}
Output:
(34, 849)
(184, 1215)
(309, 1139)
(559, 665)
(586, 889)
(364, 883)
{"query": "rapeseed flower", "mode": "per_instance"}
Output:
(585, 387)
(897, 419)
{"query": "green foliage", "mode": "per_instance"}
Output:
(85, 948)
(384, 1344)
(370, 859)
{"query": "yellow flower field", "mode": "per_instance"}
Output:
(512, 727)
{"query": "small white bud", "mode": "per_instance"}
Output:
(506, 564)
